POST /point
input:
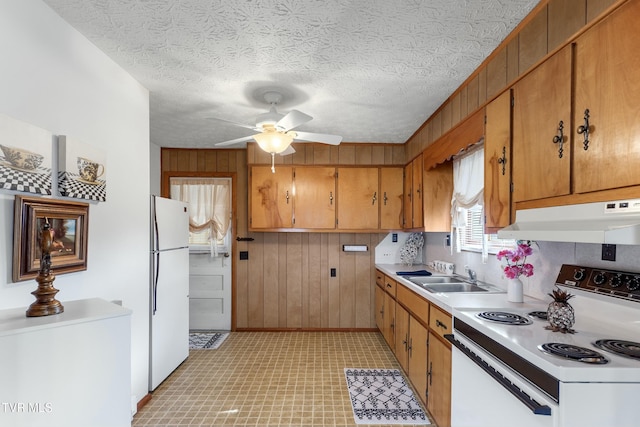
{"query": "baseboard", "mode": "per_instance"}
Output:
(306, 329)
(144, 401)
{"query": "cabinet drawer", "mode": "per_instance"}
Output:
(390, 286)
(439, 321)
(380, 278)
(418, 306)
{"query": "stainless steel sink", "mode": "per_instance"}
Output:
(454, 287)
(428, 280)
(438, 284)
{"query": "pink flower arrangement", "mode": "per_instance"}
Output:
(517, 264)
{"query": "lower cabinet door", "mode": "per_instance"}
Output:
(418, 357)
(402, 337)
(439, 387)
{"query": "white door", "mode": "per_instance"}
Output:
(209, 292)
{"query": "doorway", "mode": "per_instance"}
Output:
(210, 200)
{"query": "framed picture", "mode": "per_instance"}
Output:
(81, 170)
(25, 157)
(69, 224)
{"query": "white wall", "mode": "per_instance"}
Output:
(53, 78)
(547, 259)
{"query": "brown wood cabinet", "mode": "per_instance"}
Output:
(358, 198)
(497, 163)
(438, 190)
(607, 85)
(541, 121)
(315, 197)
(439, 372)
(413, 194)
(391, 190)
(599, 157)
(439, 381)
(418, 348)
(271, 197)
(423, 352)
(402, 337)
(325, 198)
(418, 193)
(386, 310)
(411, 339)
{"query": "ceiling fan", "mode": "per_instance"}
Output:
(276, 130)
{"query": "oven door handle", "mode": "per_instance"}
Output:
(523, 397)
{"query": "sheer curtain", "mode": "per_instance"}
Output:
(468, 187)
(209, 202)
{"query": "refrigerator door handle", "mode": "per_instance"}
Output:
(156, 243)
(156, 264)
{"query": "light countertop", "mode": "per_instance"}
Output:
(449, 301)
(13, 321)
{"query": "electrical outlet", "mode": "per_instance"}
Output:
(394, 237)
(333, 272)
(608, 252)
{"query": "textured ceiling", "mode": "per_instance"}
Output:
(368, 70)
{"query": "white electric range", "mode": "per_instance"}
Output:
(504, 374)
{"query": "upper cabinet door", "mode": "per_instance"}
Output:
(542, 112)
(407, 210)
(418, 190)
(497, 162)
(271, 197)
(607, 71)
(315, 201)
(358, 198)
(391, 203)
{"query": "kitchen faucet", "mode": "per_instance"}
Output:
(473, 277)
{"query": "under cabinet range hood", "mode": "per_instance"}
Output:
(615, 222)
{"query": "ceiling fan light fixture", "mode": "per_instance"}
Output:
(273, 141)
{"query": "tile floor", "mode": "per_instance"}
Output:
(267, 379)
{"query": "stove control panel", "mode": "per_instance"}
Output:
(621, 284)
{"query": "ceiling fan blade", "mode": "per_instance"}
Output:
(319, 137)
(235, 124)
(289, 150)
(234, 141)
(292, 120)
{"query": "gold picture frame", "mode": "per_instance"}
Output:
(70, 225)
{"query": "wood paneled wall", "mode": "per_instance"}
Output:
(546, 28)
(286, 282)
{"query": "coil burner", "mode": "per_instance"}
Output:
(573, 352)
(628, 349)
(539, 315)
(504, 317)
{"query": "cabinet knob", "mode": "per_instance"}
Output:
(374, 198)
(385, 198)
(503, 160)
(585, 129)
(441, 325)
(287, 196)
(331, 197)
(559, 138)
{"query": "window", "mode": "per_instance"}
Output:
(467, 216)
(209, 202)
(472, 237)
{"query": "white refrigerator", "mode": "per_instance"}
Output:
(169, 290)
